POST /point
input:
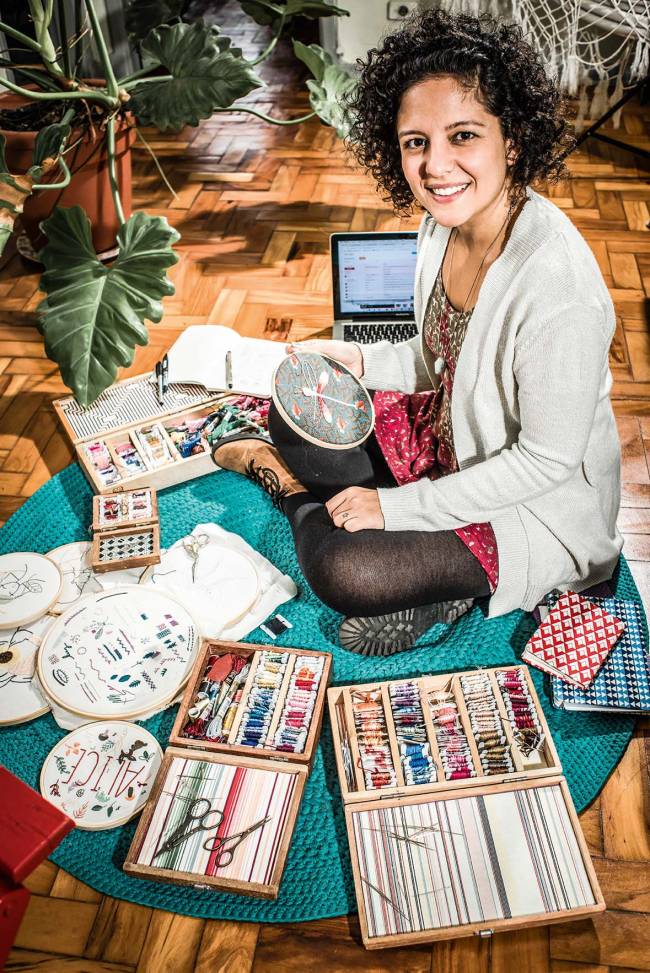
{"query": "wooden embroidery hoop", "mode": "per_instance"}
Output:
(51, 597)
(33, 714)
(153, 706)
(94, 727)
(150, 572)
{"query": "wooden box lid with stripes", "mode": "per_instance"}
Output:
(223, 807)
(459, 819)
(126, 439)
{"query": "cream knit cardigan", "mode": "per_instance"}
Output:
(533, 425)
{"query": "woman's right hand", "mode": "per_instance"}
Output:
(345, 352)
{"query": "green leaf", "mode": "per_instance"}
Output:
(49, 142)
(266, 13)
(313, 9)
(314, 57)
(327, 96)
(93, 315)
(207, 75)
(141, 16)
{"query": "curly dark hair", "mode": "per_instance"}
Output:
(483, 54)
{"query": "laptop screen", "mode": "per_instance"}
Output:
(373, 274)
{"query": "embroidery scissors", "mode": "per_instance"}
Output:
(226, 855)
(192, 545)
(198, 814)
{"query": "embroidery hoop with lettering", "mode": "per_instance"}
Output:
(90, 610)
(31, 584)
(101, 736)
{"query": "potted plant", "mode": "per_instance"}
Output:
(94, 313)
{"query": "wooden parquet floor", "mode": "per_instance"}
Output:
(255, 206)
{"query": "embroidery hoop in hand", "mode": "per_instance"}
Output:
(322, 401)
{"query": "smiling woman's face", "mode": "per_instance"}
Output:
(453, 152)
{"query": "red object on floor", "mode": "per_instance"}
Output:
(13, 902)
(30, 827)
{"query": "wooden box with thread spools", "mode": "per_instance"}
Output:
(243, 743)
(126, 530)
(126, 438)
(459, 819)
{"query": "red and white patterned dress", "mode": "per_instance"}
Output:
(414, 432)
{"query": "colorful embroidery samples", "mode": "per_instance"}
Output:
(451, 862)
(264, 700)
(214, 818)
(118, 654)
(416, 732)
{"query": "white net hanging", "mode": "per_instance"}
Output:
(594, 49)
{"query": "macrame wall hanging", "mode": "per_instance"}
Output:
(594, 49)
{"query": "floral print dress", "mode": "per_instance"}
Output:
(414, 432)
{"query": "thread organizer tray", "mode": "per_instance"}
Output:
(126, 439)
(241, 791)
(459, 819)
(250, 657)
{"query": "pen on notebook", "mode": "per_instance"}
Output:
(229, 369)
(159, 382)
(165, 373)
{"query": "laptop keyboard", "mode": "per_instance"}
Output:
(393, 331)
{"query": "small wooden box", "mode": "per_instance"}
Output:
(126, 522)
(115, 423)
(276, 779)
(249, 650)
(453, 858)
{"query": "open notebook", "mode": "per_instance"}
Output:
(199, 357)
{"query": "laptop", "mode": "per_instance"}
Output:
(373, 277)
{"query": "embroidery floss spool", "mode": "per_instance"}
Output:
(414, 748)
(527, 729)
(372, 736)
(260, 703)
(292, 730)
(485, 720)
(453, 746)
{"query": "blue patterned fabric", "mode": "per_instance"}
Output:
(623, 683)
(317, 880)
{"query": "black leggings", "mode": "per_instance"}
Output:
(369, 572)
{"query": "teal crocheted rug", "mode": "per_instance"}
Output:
(317, 880)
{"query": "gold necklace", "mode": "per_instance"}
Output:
(480, 266)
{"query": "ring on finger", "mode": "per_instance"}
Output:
(344, 515)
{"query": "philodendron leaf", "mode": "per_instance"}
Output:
(141, 16)
(49, 143)
(14, 189)
(93, 315)
(329, 87)
(206, 74)
(266, 13)
(326, 98)
(314, 57)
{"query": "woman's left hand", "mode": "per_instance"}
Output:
(356, 508)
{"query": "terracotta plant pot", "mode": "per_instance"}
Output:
(89, 187)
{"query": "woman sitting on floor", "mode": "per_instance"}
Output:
(494, 467)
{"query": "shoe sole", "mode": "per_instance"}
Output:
(382, 635)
